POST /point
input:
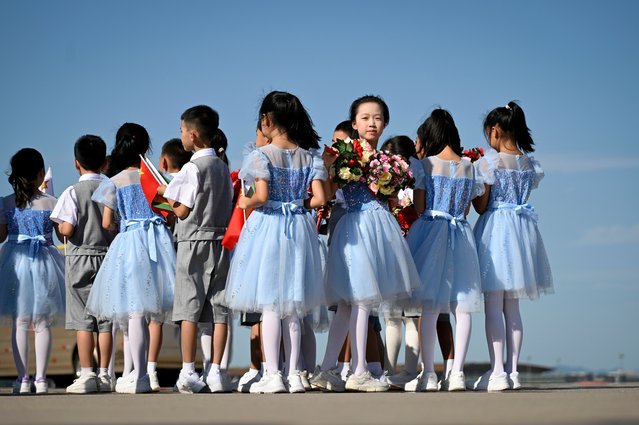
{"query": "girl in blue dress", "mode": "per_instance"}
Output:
(276, 267)
(137, 277)
(368, 264)
(32, 269)
(512, 256)
(443, 245)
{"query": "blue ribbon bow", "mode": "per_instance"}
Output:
(288, 210)
(520, 209)
(454, 223)
(149, 224)
(35, 242)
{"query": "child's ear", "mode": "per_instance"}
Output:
(76, 164)
(164, 164)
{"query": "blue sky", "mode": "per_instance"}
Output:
(71, 68)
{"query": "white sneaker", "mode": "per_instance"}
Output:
(400, 379)
(84, 384)
(214, 381)
(294, 383)
(365, 382)
(481, 384)
(497, 383)
(427, 382)
(305, 381)
(154, 381)
(21, 386)
(41, 386)
(513, 379)
(189, 383)
(328, 380)
(270, 383)
(248, 379)
(456, 381)
(106, 384)
(130, 384)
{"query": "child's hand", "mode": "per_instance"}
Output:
(329, 156)
(243, 202)
(161, 189)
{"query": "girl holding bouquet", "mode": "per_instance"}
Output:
(512, 256)
(442, 244)
(368, 262)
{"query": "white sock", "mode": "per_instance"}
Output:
(42, 347)
(393, 336)
(428, 332)
(85, 371)
(151, 367)
(411, 353)
(358, 330)
(271, 338)
(263, 370)
(103, 371)
(343, 368)
(449, 366)
(375, 368)
(139, 342)
(188, 368)
(514, 333)
(20, 345)
(292, 335)
(495, 332)
(463, 329)
(215, 368)
(336, 336)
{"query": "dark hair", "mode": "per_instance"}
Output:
(369, 99)
(347, 127)
(175, 153)
(400, 145)
(439, 131)
(512, 121)
(131, 141)
(219, 143)
(287, 112)
(90, 152)
(25, 166)
(204, 119)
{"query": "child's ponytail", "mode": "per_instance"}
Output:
(25, 166)
(512, 121)
(131, 141)
(219, 143)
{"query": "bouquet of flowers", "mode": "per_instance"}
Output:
(387, 174)
(404, 211)
(353, 157)
(474, 153)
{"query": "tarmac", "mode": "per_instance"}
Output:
(577, 403)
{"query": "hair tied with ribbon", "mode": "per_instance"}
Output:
(508, 107)
(220, 151)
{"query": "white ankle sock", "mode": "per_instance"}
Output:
(85, 371)
(151, 367)
(188, 367)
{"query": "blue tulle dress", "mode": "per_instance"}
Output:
(138, 271)
(31, 267)
(277, 264)
(441, 240)
(368, 261)
(511, 252)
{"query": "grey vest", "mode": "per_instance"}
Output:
(213, 204)
(89, 237)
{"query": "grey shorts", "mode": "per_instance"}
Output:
(200, 279)
(79, 274)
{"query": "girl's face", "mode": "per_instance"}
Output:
(260, 139)
(420, 149)
(369, 122)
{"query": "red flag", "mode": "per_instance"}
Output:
(150, 185)
(234, 228)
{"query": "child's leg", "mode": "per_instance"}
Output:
(446, 342)
(256, 347)
(126, 350)
(155, 344)
(138, 342)
(86, 345)
(206, 344)
(463, 328)
(188, 345)
(20, 345)
(393, 342)
(411, 350)
(228, 347)
(309, 347)
(514, 334)
(42, 347)
(428, 334)
(105, 345)
(292, 336)
(271, 336)
(336, 336)
(220, 332)
(358, 330)
(495, 333)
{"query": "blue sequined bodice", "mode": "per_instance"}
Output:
(287, 185)
(29, 222)
(358, 197)
(511, 186)
(448, 194)
(132, 205)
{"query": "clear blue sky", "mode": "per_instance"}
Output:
(71, 68)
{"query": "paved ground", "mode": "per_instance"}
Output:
(539, 404)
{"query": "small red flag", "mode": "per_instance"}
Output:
(150, 186)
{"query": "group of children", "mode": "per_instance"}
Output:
(130, 267)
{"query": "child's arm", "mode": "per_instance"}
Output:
(181, 211)
(330, 187)
(259, 198)
(64, 229)
(480, 203)
(419, 200)
(56, 228)
(318, 198)
(108, 221)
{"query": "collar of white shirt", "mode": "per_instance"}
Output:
(203, 152)
(90, 176)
